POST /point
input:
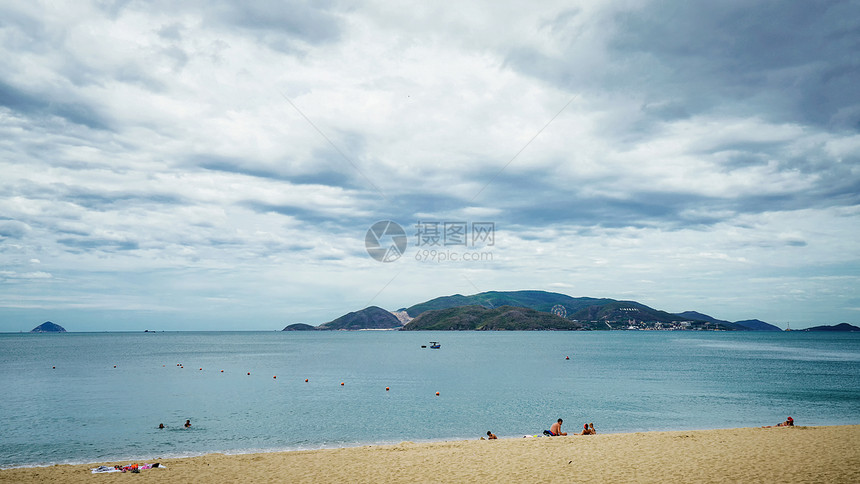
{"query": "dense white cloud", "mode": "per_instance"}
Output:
(216, 164)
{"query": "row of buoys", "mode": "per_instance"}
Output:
(275, 377)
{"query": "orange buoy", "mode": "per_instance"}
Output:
(201, 369)
(54, 367)
(222, 371)
(275, 377)
(306, 380)
(249, 372)
(566, 357)
(386, 389)
(341, 383)
(437, 394)
(114, 366)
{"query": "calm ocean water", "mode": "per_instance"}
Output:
(513, 383)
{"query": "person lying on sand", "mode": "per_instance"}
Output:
(788, 423)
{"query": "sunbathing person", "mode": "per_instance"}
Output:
(787, 423)
(491, 435)
(555, 429)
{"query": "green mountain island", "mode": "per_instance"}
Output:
(48, 327)
(529, 311)
(590, 313)
(538, 300)
(505, 318)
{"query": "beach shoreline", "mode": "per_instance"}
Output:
(786, 454)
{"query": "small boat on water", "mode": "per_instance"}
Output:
(434, 345)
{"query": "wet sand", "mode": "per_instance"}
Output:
(783, 455)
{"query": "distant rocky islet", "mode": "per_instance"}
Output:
(48, 327)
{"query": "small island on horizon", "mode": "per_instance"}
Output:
(48, 327)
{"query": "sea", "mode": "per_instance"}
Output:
(100, 397)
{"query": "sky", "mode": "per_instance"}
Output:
(219, 165)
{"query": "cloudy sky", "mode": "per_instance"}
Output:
(217, 165)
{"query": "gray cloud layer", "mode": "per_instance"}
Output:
(153, 169)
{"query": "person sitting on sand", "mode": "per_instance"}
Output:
(555, 430)
(591, 429)
(491, 435)
(585, 430)
(187, 423)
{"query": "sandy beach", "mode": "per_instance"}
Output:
(793, 454)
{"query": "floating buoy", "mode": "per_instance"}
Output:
(249, 372)
(275, 377)
(222, 371)
(437, 394)
(386, 389)
(566, 357)
(306, 380)
(114, 366)
(201, 369)
(341, 383)
(54, 367)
